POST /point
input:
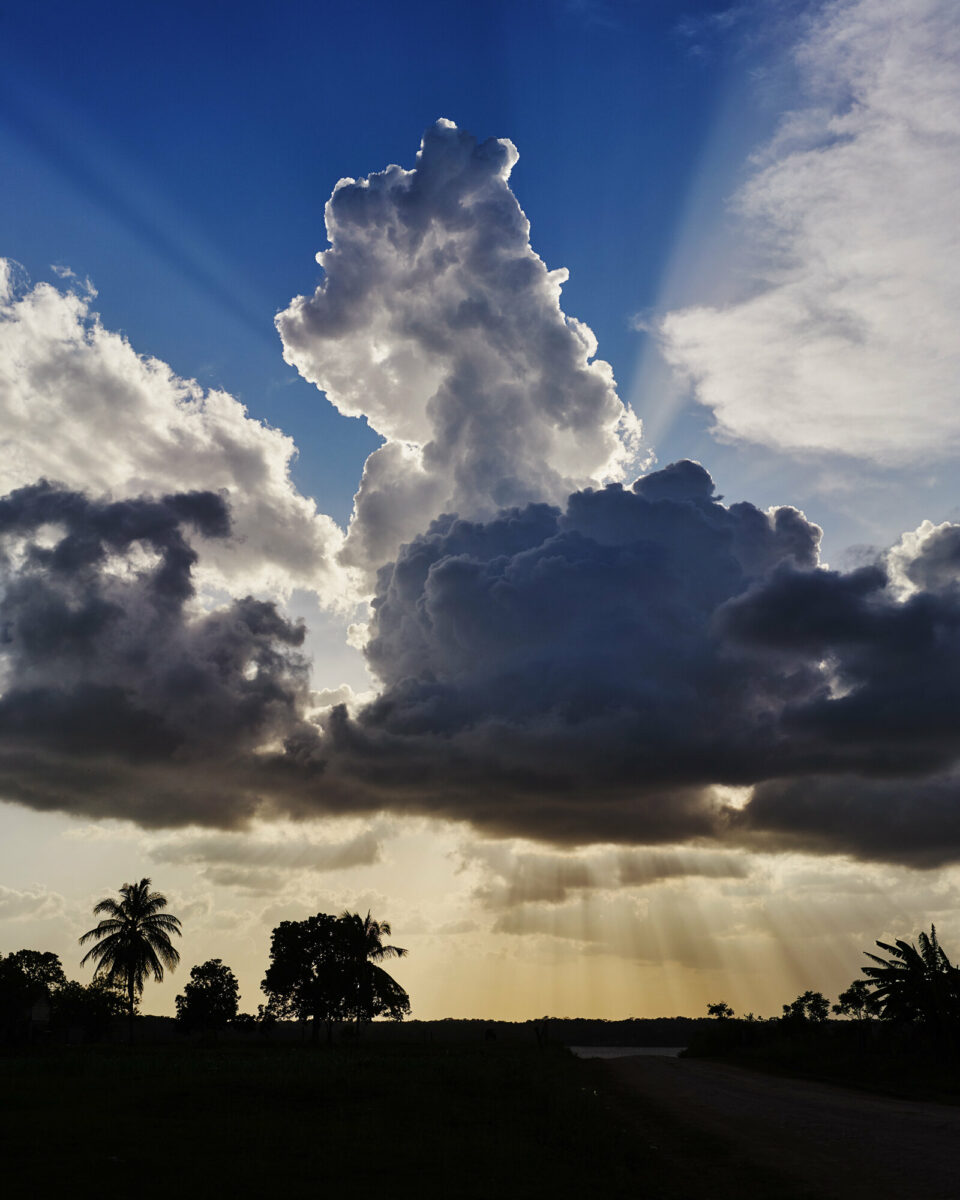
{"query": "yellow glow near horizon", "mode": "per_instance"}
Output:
(495, 930)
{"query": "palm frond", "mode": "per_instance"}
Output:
(100, 930)
(162, 921)
(383, 952)
(899, 950)
(885, 963)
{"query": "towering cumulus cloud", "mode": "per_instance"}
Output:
(438, 322)
(847, 342)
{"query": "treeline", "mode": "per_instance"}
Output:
(325, 969)
(901, 1022)
(37, 997)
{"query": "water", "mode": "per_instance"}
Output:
(625, 1051)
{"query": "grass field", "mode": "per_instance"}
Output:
(384, 1121)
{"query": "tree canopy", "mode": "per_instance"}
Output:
(210, 1001)
(326, 969)
(808, 1006)
(26, 978)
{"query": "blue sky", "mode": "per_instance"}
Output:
(642, 729)
(180, 155)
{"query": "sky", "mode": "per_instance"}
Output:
(489, 465)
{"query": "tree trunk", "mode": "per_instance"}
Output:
(130, 1009)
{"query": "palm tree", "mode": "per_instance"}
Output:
(916, 983)
(373, 991)
(132, 940)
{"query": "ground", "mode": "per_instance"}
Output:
(508, 1122)
(829, 1141)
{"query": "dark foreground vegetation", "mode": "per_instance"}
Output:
(428, 1120)
(901, 1034)
(893, 1059)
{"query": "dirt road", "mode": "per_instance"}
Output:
(829, 1141)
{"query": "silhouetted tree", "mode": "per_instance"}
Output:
(808, 1006)
(326, 969)
(307, 975)
(857, 1001)
(133, 940)
(27, 977)
(89, 1008)
(210, 1001)
(916, 983)
(720, 1010)
(373, 993)
(42, 968)
(818, 1006)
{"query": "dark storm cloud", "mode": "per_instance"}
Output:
(558, 674)
(117, 699)
(910, 820)
(597, 673)
(589, 674)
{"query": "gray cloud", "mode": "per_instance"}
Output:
(510, 877)
(118, 698)
(663, 927)
(558, 674)
(914, 820)
(288, 854)
(592, 674)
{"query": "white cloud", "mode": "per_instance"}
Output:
(36, 902)
(438, 322)
(79, 406)
(848, 343)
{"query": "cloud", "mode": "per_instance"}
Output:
(847, 342)
(579, 667)
(556, 674)
(263, 863)
(118, 698)
(574, 676)
(36, 902)
(127, 425)
(592, 674)
(914, 820)
(437, 321)
(510, 877)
